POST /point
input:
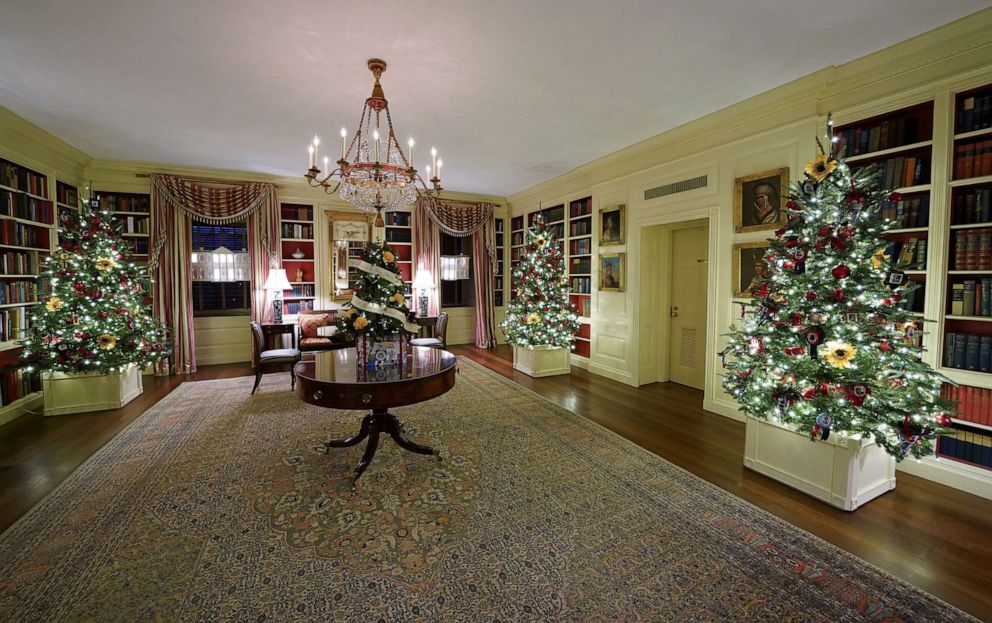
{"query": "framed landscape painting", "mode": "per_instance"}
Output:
(759, 200)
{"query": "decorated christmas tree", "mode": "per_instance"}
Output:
(93, 317)
(540, 314)
(378, 307)
(826, 342)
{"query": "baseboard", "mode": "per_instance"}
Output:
(620, 376)
(956, 475)
(725, 408)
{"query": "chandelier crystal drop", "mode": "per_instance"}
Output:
(373, 173)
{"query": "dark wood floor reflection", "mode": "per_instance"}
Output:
(934, 537)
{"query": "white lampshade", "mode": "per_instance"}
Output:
(422, 280)
(277, 280)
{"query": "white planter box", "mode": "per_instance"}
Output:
(541, 360)
(841, 471)
(78, 393)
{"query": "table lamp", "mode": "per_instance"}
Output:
(422, 282)
(276, 283)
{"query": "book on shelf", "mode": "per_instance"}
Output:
(297, 230)
(974, 403)
(22, 179)
(16, 384)
(973, 249)
(19, 263)
(972, 159)
(957, 299)
(907, 254)
(968, 298)
(303, 289)
(901, 171)
(908, 213)
(124, 202)
(66, 194)
(970, 446)
(13, 323)
(19, 205)
(21, 235)
(972, 206)
(968, 351)
(887, 134)
(975, 112)
(295, 212)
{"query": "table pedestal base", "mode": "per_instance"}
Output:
(379, 421)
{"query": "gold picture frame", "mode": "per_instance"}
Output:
(613, 225)
(766, 194)
(612, 272)
(746, 266)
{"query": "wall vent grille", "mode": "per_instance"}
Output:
(676, 187)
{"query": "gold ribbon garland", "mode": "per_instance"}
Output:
(373, 308)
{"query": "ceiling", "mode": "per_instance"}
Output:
(511, 92)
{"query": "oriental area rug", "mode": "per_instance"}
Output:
(216, 505)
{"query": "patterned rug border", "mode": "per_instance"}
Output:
(140, 423)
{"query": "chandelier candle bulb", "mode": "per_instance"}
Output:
(375, 139)
(344, 135)
(312, 164)
(410, 156)
(433, 158)
(326, 161)
(316, 149)
(440, 163)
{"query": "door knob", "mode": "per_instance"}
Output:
(674, 311)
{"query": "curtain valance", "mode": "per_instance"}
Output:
(458, 219)
(212, 202)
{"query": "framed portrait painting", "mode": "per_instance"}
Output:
(749, 267)
(611, 272)
(612, 225)
(759, 200)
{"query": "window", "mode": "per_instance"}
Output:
(219, 270)
(461, 292)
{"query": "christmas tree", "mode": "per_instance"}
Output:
(93, 317)
(540, 314)
(827, 343)
(378, 306)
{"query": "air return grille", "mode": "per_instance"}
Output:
(676, 187)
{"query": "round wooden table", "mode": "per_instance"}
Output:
(333, 379)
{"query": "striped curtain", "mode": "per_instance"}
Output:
(427, 241)
(483, 265)
(460, 220)
(175, 203)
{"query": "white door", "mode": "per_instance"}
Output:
(687, 361)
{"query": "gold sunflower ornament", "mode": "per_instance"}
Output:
(540, 241)
(105, 263)
(839, 354)
(106, 342)
(361, 322)
(388, 257)
(533, 319)
(53, 304)
(398, 298)
(820, 167)
(879, 257)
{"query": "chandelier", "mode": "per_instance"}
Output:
(373, 173)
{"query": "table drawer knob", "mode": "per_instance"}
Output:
(317, 395)
(366, 398)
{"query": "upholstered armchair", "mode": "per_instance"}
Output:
(266, 360)
(440, 331)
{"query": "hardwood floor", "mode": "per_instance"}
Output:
(929, 535)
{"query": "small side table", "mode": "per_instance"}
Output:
(272, 329)
(427, 324)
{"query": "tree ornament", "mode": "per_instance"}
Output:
(839, 354)
(820, 167)
(857, 394)
(841, 271)
(822, 427)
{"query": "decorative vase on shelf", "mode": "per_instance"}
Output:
(298, 254)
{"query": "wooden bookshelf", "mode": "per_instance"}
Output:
(133, 212)
(518, 238)
(900, 143)
(296, 229)
(580, 268)
(499, 277)
(399, 237)
(27, 232)
(66, 200)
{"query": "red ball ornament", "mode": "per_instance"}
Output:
(841, 272)
(944, 420)
(79, 286)
(838, 294)
(788, 264)
(895, 197)
(896, 296)
(885, 345)
(811, 296)
(792, 205)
